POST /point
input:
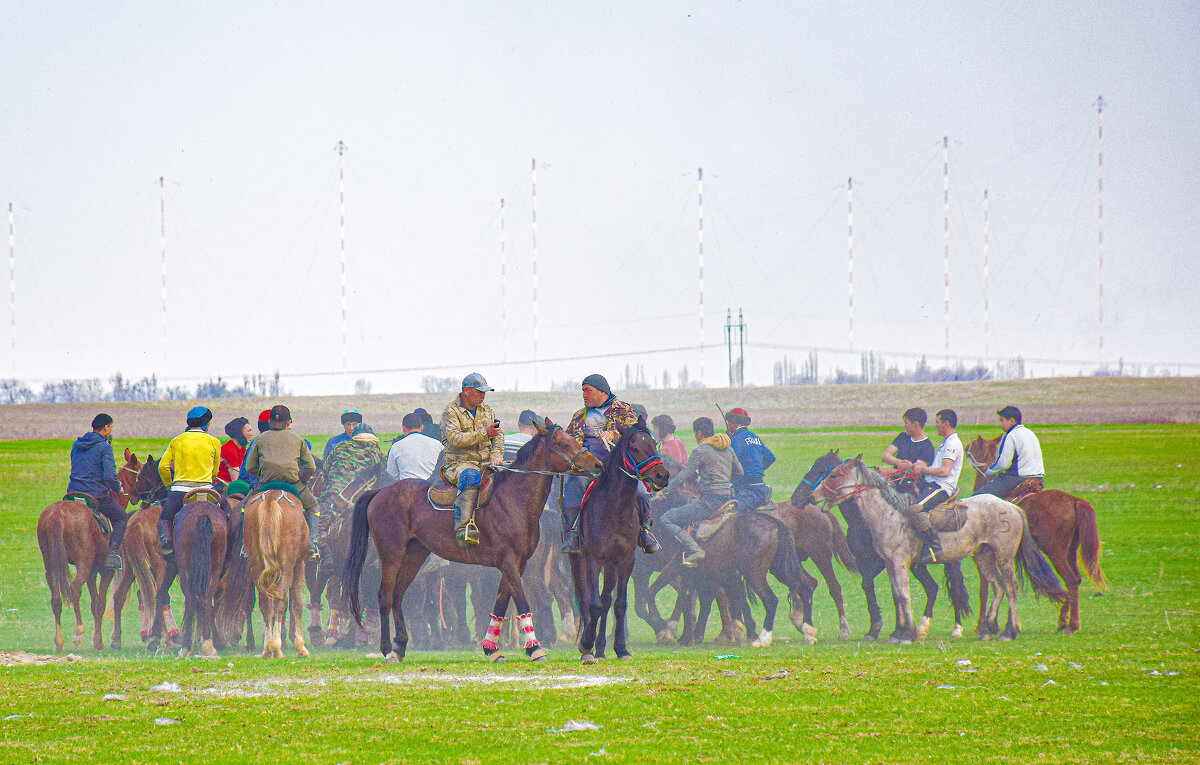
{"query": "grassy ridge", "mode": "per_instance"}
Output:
(838, 701)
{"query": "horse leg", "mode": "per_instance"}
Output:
(729, 620)
(77, 593)
(804, 591)
(905, 628)
(315, 582)
(989, 591)
(390, 569)
(824, 563)
(620, 607)
(120, 595)
(414, 557)
(868, 574)
(250, 645)
(1066, 563)
(97, 608)
(296, 612)
(589, 607)
(958, 595)
(606, 597)
(930, 585)
(758, 582)
(1008, 580)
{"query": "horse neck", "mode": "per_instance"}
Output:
(527, 485)
(877, 513)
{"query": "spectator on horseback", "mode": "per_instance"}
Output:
(595, 428)
(716, 467)
(943, 475)
(233, 451)
(473, 439)
(672, 449)
(94, 472)
(909, 447)
(751, 491)
(1019, 457)
(196, 458)
(350, 418)
(413, 454)
(264, 424)
(280, 455)
(428, 426)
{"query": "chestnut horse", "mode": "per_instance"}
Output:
(406, 528)
(276, 539)
(1062, 524)
(203, 530)
(68, 534)
(608, 528)
(144, 561)
(869, 564)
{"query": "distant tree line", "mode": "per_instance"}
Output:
(118, 388)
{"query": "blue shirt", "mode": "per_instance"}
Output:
(340, 438)
(755, 457)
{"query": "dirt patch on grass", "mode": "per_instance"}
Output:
(18, 658)
(1068, 400)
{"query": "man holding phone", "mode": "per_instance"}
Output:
(472, 437)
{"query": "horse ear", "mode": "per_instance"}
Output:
(540, 428)
(622, 428)
(128, 455)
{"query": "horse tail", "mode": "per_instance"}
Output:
(786, 563)
(54, 553)
(235, 589)
(200, 566)
(270, 535)
(139, 564)
(751, 598)
(953, 577)
(1032, 562)
(360, 536)
(840, 548)
(1089, 538)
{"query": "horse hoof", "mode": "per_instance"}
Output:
(496, 658)
(116, 646)
(538, 654)
(957, 632)
(763, 640)
(393, 658)
(923, 628)
(302, 652)
(625, 657)
(844, 634)
(587, 659)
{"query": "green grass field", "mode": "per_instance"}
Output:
(1124, 688)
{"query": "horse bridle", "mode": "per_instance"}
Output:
(636, 470)
(571, 468)
(814, 484)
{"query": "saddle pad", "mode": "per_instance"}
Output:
(103, 522)
(442, 494)
(705, 529)
(203, 495)
(948, 516)
(278, 486)
(1026, 487)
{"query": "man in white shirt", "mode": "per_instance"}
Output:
(525, 433)
(415, 455)
(943, 475)
(1019, 458)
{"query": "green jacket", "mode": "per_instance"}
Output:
(280, 455)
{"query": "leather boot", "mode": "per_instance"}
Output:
(692, 552)
(314, 525)
(166, 537)
(645, 539)
(933, 548)
(465, 530)
(571, 542)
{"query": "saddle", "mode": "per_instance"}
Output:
(1025, 488)
(78, 496)
(204, 494)
(704, 530)
(443, 493)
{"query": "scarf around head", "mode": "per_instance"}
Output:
(719, 441)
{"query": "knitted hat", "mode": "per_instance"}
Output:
(598, 382)
(100, 420)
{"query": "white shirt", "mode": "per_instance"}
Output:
(414, 456)
(951, 449)
(1020, 447)
(513, 443)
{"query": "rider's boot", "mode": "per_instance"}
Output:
(465, 530)
(314, 525)
(571, 543)
(166, 536)
(645, 539)
(933, 548)
(692, 552)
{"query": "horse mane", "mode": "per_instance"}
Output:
(612, 461)
(524, 454)
(895, 498)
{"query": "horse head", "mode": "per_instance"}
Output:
(148, 481)
(845, 475)
(817, 473)
(127, 475)
(638, 454)
(565, 454)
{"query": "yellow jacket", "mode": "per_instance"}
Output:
(196, 456)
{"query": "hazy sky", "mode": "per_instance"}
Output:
(442, 107)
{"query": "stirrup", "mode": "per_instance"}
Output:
(647, 541)
(929, 557)
(691, 559)
(571, 542)
(468, 533)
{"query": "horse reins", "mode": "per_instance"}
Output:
(549, 445)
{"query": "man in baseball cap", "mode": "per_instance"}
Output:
(472, 437)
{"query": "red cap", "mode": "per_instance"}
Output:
(264, 415)
(739, 412)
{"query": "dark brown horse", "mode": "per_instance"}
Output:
(1063, 525)
(202, 534)
(870, 564)
(819, 536)
(68, 533)
(406, 528)
(609, 528)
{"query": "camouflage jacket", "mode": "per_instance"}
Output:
(345, 461)
(465, 436)
(615, 412)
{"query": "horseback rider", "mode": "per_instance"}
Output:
(196, 458)
(414, 454)
(1018, 459)
(943, 473)
(751, 491)
(350, 419)
(279, 454)
(910, 446)
(472, 437)
(346, 460)
(595, 428)
(233, 451)
(264, 424)
(672, 449)
(716, 467)
(94, 472)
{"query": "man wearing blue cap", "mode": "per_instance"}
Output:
(196, 459)
(595, 428)
(472, 437)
